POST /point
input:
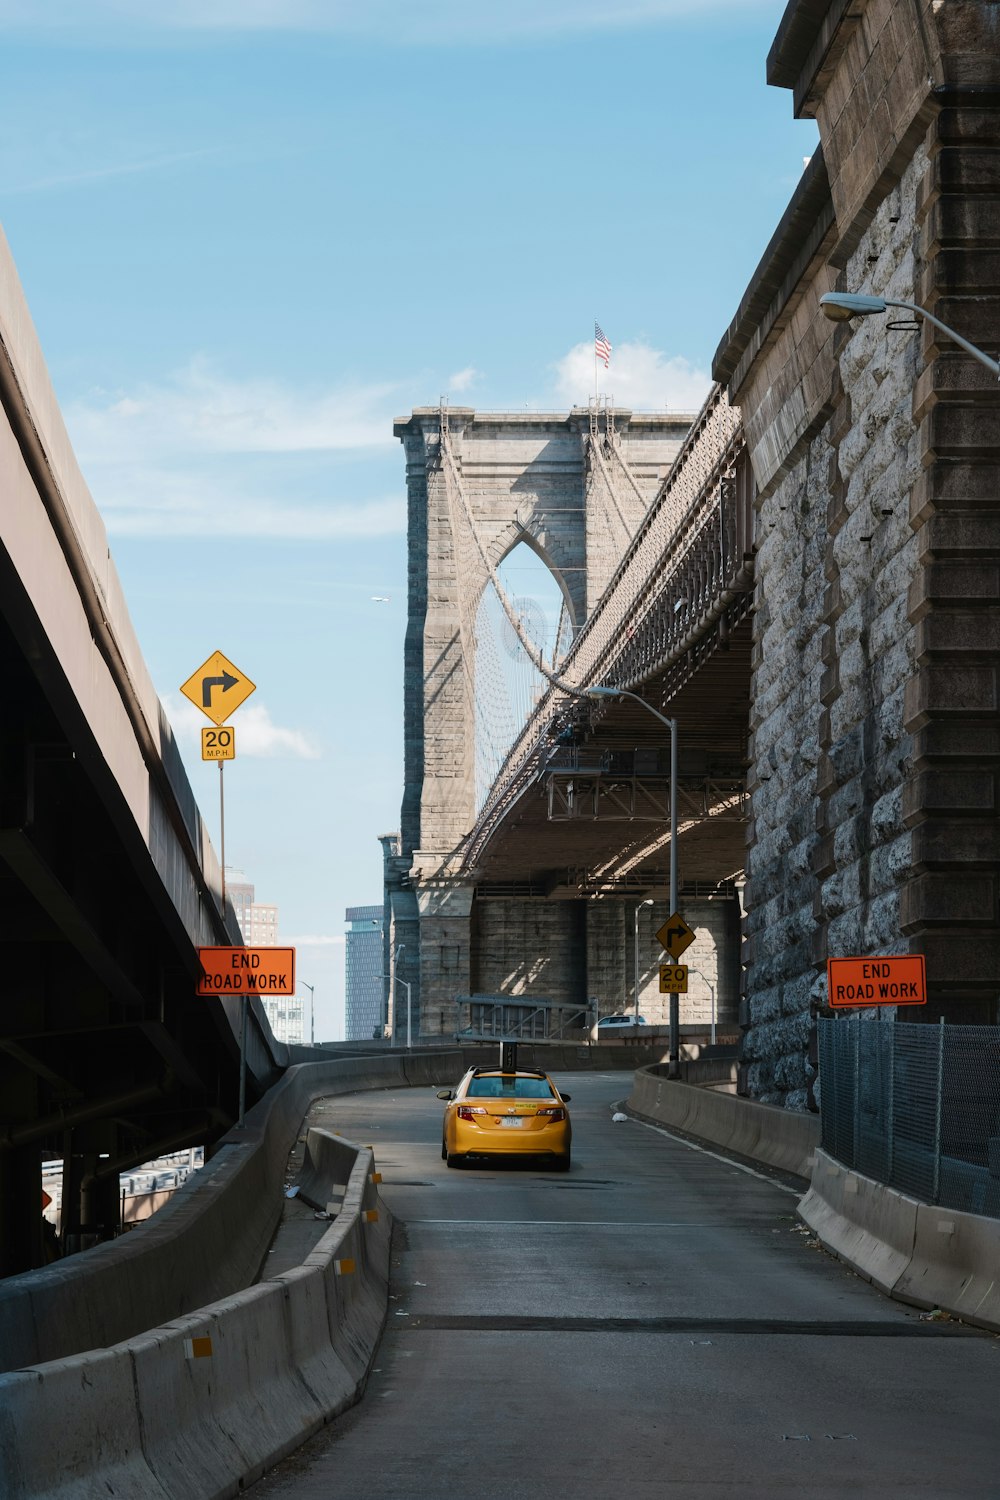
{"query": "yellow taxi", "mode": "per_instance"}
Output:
(497, 1112)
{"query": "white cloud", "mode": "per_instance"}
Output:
(257, 735)
(140, 502)
(203, 454)
(388, 21)
(90, 175)
(462, 379)
(640, 378)
(199, 409)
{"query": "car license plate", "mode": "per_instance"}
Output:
(513, 1120)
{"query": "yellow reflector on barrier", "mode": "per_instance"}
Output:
(375, 1177)
(371, 1214)
(200, 1348)
(344, 1267)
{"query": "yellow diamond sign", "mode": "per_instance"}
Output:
(675, 935)
(218, 688)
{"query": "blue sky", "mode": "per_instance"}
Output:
(252, 232)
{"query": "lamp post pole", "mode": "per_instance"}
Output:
(312, 1010)
(605, 691)
(409, 1012)
(638, 909)
(394, 978)
(711, 990)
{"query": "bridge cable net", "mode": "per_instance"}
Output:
(680, 563)
(504, 694)
(499, 697)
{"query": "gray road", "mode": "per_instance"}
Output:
(653, 1324)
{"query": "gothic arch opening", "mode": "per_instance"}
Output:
(507, 683)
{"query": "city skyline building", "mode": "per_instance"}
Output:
(364, 1018)
(258, 922)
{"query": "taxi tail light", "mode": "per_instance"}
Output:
(556, 1113)
(469, 1111)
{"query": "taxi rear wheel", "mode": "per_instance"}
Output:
(561, 1164)
(452, 1159)
(444, 1151)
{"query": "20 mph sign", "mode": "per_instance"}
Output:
(877, 981)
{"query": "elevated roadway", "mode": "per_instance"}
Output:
(656, 1323)
(108, 882)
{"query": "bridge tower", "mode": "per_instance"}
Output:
(574, 489)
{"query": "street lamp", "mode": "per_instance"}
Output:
(312, 1010)
(840, 307)
(602, 690)
(409, 1012)
(711, 989)
(647, 902)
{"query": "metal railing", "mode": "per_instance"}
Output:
(916, 1107)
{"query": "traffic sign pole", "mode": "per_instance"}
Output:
(675, 1000)
(222, 832)
(244, 1001)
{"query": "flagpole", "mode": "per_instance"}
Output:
(597, 378)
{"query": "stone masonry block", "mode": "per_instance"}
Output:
(962, 958)
(958, 634)
(953, 742)
(956, 842)
(949, 791)
(950, 690)
(931, 899)
(942, 583)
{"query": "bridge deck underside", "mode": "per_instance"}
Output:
(581, 854)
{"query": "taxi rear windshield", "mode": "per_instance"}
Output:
(509, 1088)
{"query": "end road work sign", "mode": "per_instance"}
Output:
(877, 981)
(246, 971)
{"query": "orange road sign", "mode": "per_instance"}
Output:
(877, 981)
(218, 744)
(218, 688)
(246, 971)
(673, 979)
(675, 935)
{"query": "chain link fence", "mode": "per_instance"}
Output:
(916, 1107)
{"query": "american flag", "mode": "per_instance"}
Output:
(602, 345)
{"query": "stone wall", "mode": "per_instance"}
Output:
(875, 747)
(833, 651)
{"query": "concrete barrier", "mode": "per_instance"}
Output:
(866, 1224)
(955, 1265)
(210, 1240)
(779, 1137)
(916, 1252)
(150, 1420)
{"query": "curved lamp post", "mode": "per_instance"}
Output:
(603, 690)
(312, 1009)
(647, 902)
(840, 307)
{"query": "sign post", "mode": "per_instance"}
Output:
(676, 937)
(218, 688)
(244, 972)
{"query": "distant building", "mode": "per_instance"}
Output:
(364, 991)
(259, 925)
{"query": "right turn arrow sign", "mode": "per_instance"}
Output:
(675, 935)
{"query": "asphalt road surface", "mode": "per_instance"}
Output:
(656, 1323)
